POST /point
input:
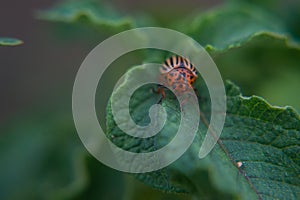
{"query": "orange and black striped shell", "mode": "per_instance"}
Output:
(178, 73)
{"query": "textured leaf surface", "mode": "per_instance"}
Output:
(10, 41)
(264, 138)
(90, 12)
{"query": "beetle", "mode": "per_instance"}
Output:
(178, 73)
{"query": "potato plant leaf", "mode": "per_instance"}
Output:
(231, 25)
(264, 65)
(252, 47)
(263, 139)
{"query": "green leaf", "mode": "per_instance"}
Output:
(42, 157)
(264, 65)
(231, 25)
(135, 190)
(287, 11)
(264, 138)
(91, 12)
(251, 47)
(10, 41)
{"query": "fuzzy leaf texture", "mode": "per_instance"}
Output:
(264, 138)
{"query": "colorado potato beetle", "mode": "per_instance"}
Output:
(178, 73)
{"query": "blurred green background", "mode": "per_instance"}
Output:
(41, 156)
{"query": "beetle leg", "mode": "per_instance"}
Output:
(160, 90)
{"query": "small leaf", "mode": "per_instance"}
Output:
(10, 41)
(91, 12)
(264, 138)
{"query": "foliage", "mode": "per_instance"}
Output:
(255, 45)
(266, 139)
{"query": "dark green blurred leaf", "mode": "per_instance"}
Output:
(266, 139)
(42, 157)
(287, 11)
(10, 41)
(266, 65)
(90, 12)
(231, 25)
(253, 48)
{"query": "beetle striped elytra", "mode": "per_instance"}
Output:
(178, 73)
